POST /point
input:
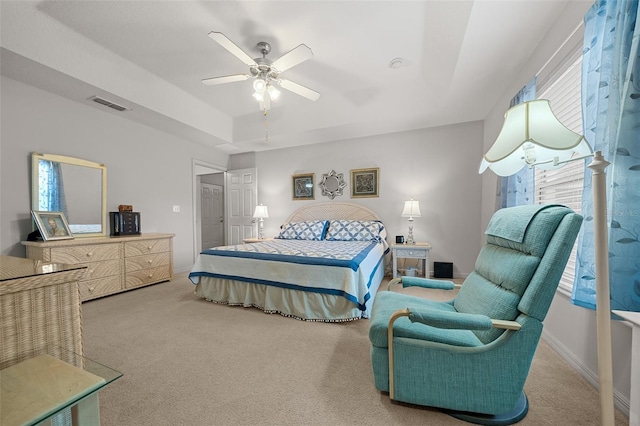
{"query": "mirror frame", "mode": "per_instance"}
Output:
(35, 178)
(339, 182)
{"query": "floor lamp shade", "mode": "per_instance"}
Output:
(532, 136)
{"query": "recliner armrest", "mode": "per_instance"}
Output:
(424, 283)
(450, 320)
(456, 320)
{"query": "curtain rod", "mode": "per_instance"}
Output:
(559, 49)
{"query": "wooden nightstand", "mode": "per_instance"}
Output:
(255, 240)
(411, 251)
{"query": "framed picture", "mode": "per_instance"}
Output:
(52, 225)
(303, 186)
(365, 183)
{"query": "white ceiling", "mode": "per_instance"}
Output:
(152, 55)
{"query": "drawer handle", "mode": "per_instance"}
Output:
(150, 261)
(90, 254)
(150, 276)
(90, 272)
(91, 289)
(149, 247)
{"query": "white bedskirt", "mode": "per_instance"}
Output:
(304, 305)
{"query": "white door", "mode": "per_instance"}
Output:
(242, 196)
(212, 218)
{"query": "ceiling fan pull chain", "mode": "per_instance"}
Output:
(266, 127)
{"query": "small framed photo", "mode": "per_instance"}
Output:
(365, 183)
(52, 225)
(303, 186)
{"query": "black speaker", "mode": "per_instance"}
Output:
(442, 270)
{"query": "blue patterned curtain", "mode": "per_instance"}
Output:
(51, 195)
(517, 190)
(611, 117)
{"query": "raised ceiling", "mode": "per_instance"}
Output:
(151, 56)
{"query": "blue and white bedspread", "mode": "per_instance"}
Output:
(341, 268)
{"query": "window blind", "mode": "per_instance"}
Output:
(564, 185)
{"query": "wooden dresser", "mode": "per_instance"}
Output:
(114, 264)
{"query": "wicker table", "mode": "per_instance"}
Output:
(40, 310)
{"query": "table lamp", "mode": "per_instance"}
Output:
(411, 210)
(261, 213)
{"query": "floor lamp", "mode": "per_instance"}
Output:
(532, 136)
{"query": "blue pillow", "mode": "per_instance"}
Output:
(355, 230)
(309, 230)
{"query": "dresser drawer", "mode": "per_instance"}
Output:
(148, 276)
(100, 269)
(147, 261)
(90, 289)
(85, 253)
(137, 248)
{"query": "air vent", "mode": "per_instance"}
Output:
(109, 103)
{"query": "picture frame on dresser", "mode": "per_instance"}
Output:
(52, 225)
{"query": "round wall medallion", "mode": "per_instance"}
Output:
(332, 184)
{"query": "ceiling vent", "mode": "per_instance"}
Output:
(109, 103)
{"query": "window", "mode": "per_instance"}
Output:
(564, 185)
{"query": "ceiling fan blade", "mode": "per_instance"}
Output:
(223, 41)
(299, 89)
(292, 58)
(225, 79)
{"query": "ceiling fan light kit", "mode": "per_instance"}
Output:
(265, 71)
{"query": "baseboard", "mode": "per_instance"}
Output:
(621, 403)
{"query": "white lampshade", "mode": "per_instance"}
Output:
(259, 85)
(411, 208)
(261, 212)
(273, 92)
(532, 135)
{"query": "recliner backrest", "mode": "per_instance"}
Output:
(519, 268)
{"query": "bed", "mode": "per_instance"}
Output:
(326, 265)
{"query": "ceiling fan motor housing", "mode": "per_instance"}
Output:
(263, 69)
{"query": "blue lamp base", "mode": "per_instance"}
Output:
(518, 413)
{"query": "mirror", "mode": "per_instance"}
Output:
(75, 187)
(332, 184)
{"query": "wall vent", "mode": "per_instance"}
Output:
(109, 104)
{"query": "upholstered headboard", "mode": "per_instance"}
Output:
(332, 210)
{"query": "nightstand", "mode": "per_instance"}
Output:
(255, 240)
(411, 251)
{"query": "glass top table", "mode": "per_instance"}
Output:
(40, 387)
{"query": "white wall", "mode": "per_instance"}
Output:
(569, 329)
(149, 169)
(426, 165)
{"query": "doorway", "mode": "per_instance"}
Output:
(211, 210)
(208, 206)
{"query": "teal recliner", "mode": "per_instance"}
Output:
(471, 356)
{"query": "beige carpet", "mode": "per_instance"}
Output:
(191, 362)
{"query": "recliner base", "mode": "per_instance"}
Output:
(518, 413)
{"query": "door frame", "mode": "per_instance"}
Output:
(201, 167)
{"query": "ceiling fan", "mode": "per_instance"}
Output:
(265, 71)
